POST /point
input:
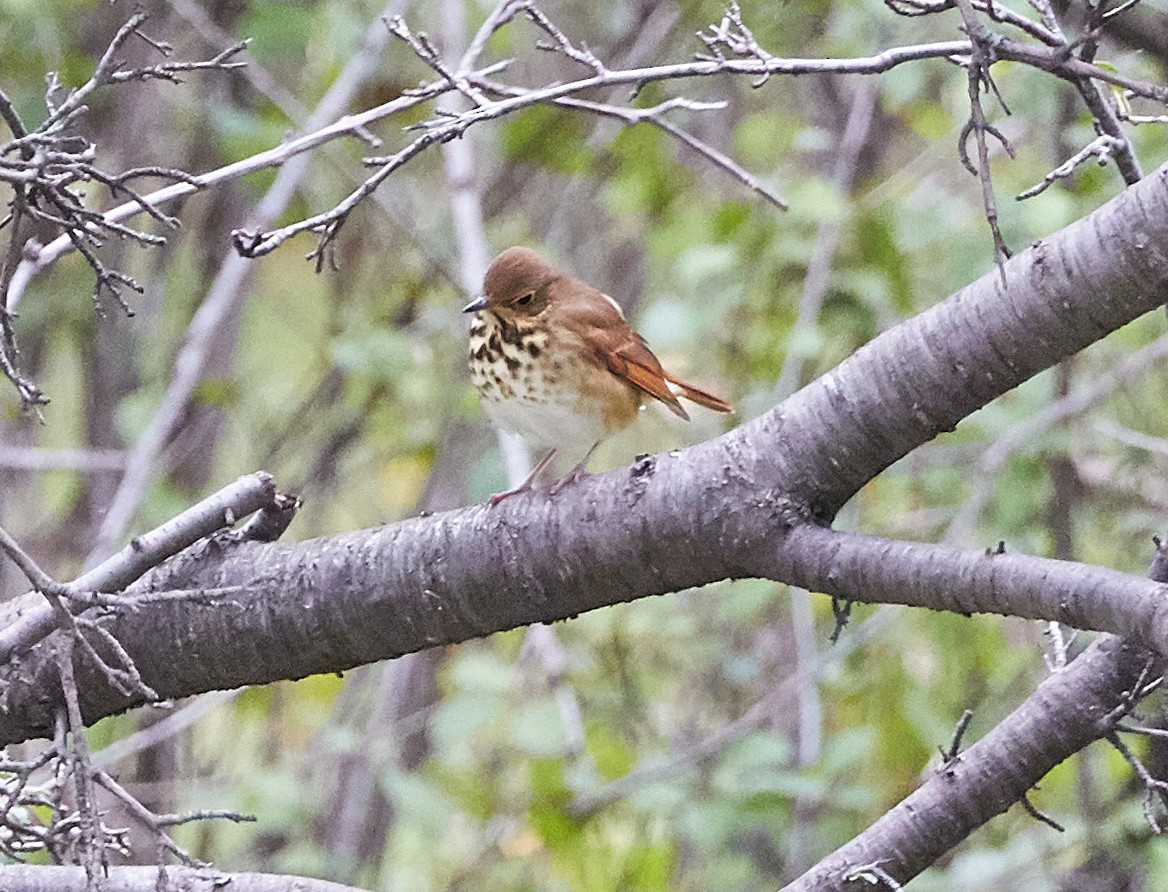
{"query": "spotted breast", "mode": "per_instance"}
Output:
(534, 384)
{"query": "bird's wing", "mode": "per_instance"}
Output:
(598, 321)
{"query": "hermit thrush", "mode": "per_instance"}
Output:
(555, 361)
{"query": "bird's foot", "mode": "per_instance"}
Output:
(526, 485)
(574, 476)
(498, 497)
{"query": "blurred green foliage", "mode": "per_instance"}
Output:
(691, 767)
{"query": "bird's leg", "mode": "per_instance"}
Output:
(574, 475)
(526, 484)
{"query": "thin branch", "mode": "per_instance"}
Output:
(39, 258)
(426, 51)
(227, 289)
(251, 243)
(38, 578)
(560, 43)
(1146, 730)
(948, 755)
(443, 128)
(109, 70)
(92, 838)
(1102, 148)
(1047, 31)
(655, 117)
(1154, 789)
(978, 72)
(157, 823)
(755, 63)
(1040, 816)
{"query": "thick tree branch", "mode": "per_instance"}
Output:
(285, 611)
(23, 622)
(939, 577)
(150, 879)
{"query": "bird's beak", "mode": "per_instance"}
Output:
(475, 305)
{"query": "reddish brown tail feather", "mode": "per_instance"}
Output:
(699, 396)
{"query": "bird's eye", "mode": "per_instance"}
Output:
(526, 299)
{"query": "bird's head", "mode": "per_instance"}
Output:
(517, 285)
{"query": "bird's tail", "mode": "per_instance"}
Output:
(699, 396)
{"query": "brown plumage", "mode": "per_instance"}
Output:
(555, 360)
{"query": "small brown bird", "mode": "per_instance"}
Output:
(555, 361)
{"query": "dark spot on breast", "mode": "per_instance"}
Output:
(533, 348)
(512, 363)
(557, 366)
(511, 334)
(480, 352)
(493, 342)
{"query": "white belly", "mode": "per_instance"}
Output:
(553, 423)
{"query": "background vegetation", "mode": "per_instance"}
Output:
(710, 740)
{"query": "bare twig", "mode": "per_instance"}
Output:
(560, 43)
(1146, 730)
(1040, 816)
(426, 51)
(158, 823)
(978, 70)
(735, 53)
(655, 117)
(948, 755)
(251, 243)
(1154, 789)
(38, 578)
(125, 679)
(227, 290)
(92, 838)
(39, 258)
(444, 128)
(45, 163)
(1102, 148)
(109, 70)
(1047, 31)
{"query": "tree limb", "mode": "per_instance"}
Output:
(48, 878)
(285, 611)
